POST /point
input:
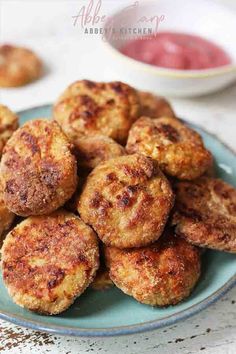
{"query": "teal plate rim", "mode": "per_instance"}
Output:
(130, 329)
(122, 330)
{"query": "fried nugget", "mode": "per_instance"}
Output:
(205, 213)
(18, 66)
(162, 274)
(48, 261)
(38, 170)
(179, 150)
(8, 124)
(127, 201)
(89, 108)
(154, 106)
(92, 150)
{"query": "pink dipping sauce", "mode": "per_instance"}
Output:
(176, 51)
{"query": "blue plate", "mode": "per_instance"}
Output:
(111, 312)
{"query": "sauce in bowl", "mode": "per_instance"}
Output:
(178, 51)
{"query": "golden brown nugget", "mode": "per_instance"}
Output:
(92, 150)
(127, 201)
(162, 274)
(205, 213)
(154, 106)
(89, 108)
(39, 172)
(48, 261)
(8, 124)
(18, 66)
(179, 150)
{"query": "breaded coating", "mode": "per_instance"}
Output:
(179, 150)
(8, 124)
(127, 201)
(102, 281)
(18, 66)
(89, 108)
(38, 170)
(92, 150)
(205, 213)
(6, 216)
(48, 261)
(153, 106)
(161, 274)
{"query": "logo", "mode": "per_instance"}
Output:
(92, 20)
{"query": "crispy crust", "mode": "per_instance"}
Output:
(8, 124)
(179, 150)
(18, 66)
(127, 201)
(39, 172)
(48, 261)
(205, 213)
(154, 106)
(159, 275)
(89, 108)
(92, 150)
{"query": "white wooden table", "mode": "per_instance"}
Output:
(46, 26)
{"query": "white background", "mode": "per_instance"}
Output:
(47, 27)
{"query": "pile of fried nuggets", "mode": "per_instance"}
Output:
(113, 189)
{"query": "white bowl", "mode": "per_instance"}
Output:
(202, 17)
